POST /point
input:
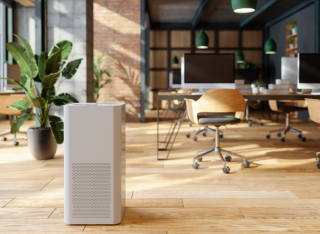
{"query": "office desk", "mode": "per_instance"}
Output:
(179, 116)
(11, 93)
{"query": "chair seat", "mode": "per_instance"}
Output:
(218, 119)
(292, 108)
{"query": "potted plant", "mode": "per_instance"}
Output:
(262, 86)
(247, 71)
(45, 69)
(294, 29)
(99, 71)
(255, 88)
(291, 43)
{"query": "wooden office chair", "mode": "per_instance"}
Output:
(4, 102)
(286, 109)
(217, 107)
(314, 112)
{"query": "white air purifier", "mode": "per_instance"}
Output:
(94, 163)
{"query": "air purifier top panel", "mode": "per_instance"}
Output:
(95, 104)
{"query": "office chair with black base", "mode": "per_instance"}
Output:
(314, 112)
(4, 102)
(287, 110)
(217, 107)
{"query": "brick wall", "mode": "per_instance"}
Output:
(117, 35)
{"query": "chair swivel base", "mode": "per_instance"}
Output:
(15, 143)
(219, 151)
(203, 130)
(285, 131)
(253, 121)
(318, 160)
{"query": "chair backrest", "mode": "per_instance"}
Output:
(5, 101)
(217, 101)
(314, 109)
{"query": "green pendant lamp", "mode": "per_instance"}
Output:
(244, 6)
(240, 57)
(270, 46)
(202, 40)
(175, 61)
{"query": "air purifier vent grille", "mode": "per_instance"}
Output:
(91, 190)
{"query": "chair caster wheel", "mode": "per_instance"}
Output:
(204, 134)
(254, 122)
(304, 139)
(4, 138)
(195, 165)
(228, 158)
(190, 124)
(318, 159)
(299, 136)
(226, 169)
(199, 159)
(250, 124)
(261, 124)
(268, 136)
(26, 137)
(194, 139)
(15, 143)
(188, 135)
(246, 164)
(318, 165)
(221, 136)
(279, 134)
(282, 139)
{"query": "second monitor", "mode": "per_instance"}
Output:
(208, 71)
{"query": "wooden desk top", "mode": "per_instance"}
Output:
(251, 97)
(11, 93)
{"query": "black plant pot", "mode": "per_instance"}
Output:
(41, 143)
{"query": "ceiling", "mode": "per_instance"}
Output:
(216, 11)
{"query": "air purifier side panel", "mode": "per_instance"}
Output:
(123, 159)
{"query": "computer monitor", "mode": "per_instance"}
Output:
(308, 71)
(208, 71)
(289, 70)
(175, 79)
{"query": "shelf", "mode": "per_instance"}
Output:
(291, 36)
(293, 49)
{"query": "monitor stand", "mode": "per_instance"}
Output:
(315, 92)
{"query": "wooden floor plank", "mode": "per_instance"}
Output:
(183, 213)
(200, 225)
(154, 203)
(245, 202)
(309, 224)
(25, 213)
(35, 203)
(213, 194)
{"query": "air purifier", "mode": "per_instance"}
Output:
(94, 163)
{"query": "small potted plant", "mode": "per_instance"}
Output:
(45, 69)
(255, 87)
(294, 29)
(291, 43)
(262, 86)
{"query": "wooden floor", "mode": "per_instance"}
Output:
(279, 193)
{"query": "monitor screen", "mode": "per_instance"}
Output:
(209, 68)
(176, 76)
(309, 68)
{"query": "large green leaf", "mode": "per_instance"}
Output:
(48, 94)
(71, 68)
(27, 65)
(18, 122)
(16, 82)
(39, 102)
(53, 63)
(56, 128)
(42, 64)
(21, 105)
(49, 80)
(63, 99)
(26, 46)
(37, 78)
(66, 46)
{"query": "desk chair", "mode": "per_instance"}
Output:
(218, 107)
(4, 102)
(287, 110)
(314, 112)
